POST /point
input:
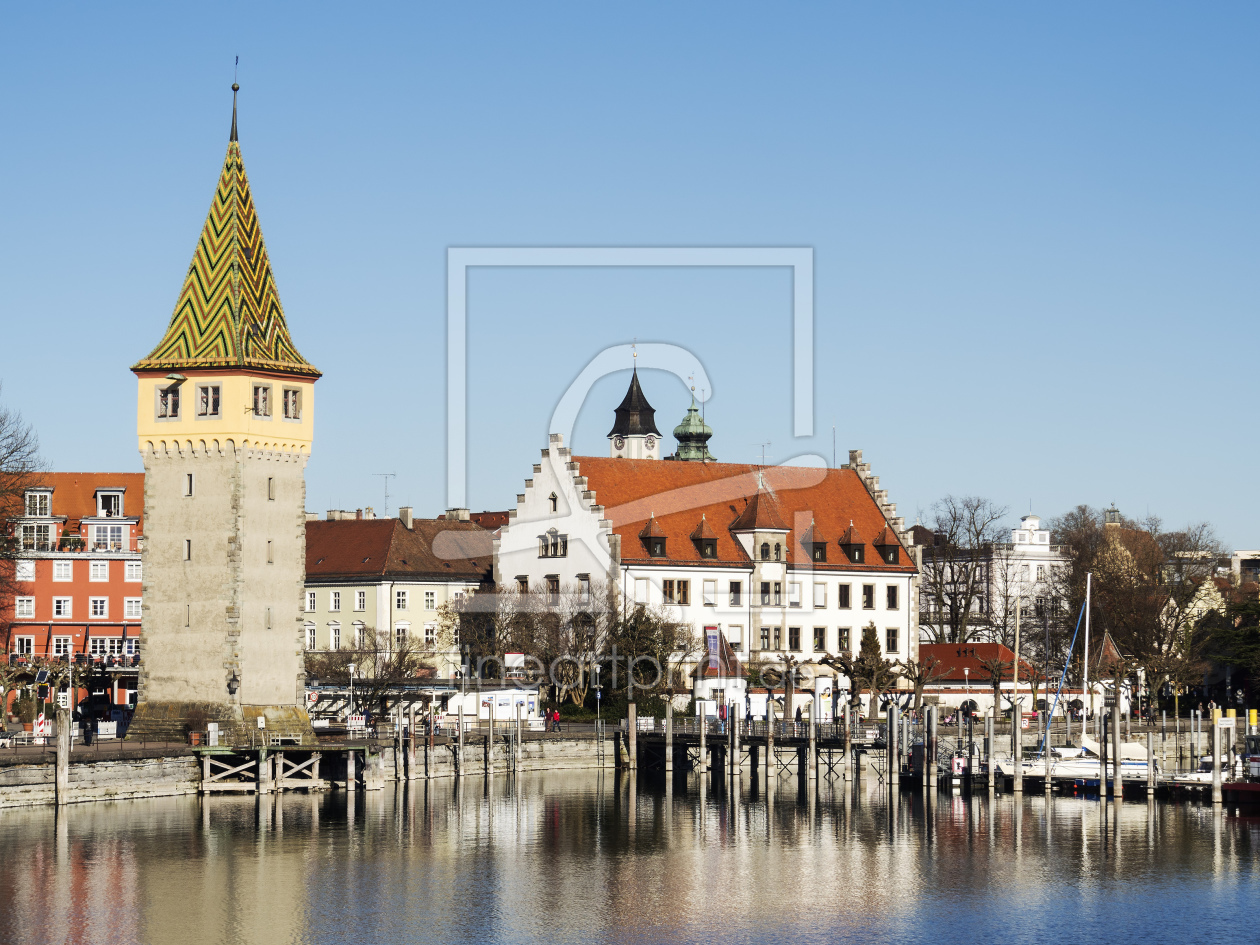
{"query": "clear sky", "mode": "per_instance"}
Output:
(1035, 230)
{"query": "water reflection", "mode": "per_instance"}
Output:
(606, 858)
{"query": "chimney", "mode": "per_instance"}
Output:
(358, 515)
(457, 515)
(404, 515)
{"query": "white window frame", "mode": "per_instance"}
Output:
(134, 572)
(109, 531)
(334, 635)
(430, 635)
(735, 636)
(98, 608)
(133, 608)
(167, 407)
(102, 497)
(38, 503)
(292, 403)
(310, 602)
(24, 608)
(310, 636)
(66, 605)
(98, 571)
(24, 569)
(642, 591)
(794, 593)
(62, 646)
(708, 592)
(400, 599)
(402, 630)
(430, 600)
(360, 602)
(820, 595)
(260, 402)
(98, 646)
(334, 602)
(24, 645)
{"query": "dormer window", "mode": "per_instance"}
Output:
(890, 555)
(109, 504)
(815, 542)
(708, 547)
(38, 504)
(653, 537)
(818, 551)
(889, 547)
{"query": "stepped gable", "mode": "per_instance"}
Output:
(228, 314)
(630, 492)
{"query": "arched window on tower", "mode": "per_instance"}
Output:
(778, 551)
(765, 551)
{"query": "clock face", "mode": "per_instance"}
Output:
(619, 442)
(651, 441)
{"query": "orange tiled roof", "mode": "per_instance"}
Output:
(678, 496)
(384, 547)
(74, 493)
(955, 660)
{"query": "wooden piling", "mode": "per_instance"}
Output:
(352, 783)
(812, 764)
(848, 743)
(894, 762)
(1214, 737)
(64, 735)
(930, 755)
(632, 736)
(264, 782)
(669, 735)
(411, 742)
(1150, 763)
(770, 758)
(735, 767)
(703, 765)
(989, 725)
(1117, 777)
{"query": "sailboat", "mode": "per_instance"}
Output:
(1085, 766)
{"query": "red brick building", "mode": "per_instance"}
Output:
(77, 580)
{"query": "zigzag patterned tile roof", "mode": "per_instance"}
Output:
(229, 312)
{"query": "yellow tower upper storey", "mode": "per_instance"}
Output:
(227, 369)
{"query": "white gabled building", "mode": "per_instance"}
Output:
(779, 561)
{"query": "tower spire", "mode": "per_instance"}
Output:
(235, 88)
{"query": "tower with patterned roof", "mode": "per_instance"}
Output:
(225, 420)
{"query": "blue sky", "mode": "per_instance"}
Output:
(1035, 230)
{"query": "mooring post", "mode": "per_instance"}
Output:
(351, 780)
(704, 758)
(632, 735)
(1214, 737)
(669, 734)
(264, 785)
(411, 742)
(1117, 758)
(930, 759)
(516, 761)
(734, 742)
(890, 745)
(1150, 763)
(989, 718)
(812, 765)
(459, 746)
(770, 759)
(1017, 736)
(64, 734)
(848, 743)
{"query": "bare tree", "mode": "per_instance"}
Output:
(952, 581)
(20, 470)
(921, 673)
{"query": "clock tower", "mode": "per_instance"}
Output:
(634, 434)
(225, 419)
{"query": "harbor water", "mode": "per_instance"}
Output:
(577, 857)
